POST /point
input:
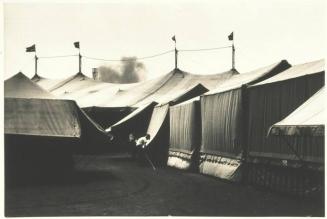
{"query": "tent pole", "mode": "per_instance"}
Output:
(80, 62)
(176, 54)
(36, 58)
(233, 56)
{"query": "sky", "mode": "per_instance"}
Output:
(265, 32)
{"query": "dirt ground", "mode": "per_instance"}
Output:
(117, 186)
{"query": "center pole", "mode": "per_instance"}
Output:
(176, 51)
(233, 56)
(231, 38)
(80, 61)
(176, 55)
(35, 59)
(77, 46)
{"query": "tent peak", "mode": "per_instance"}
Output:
(80, 74)
(20, 86)
(35, 77)
(18, 75)
(177, 70)
(234, 71)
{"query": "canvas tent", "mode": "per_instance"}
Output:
(135, 123)
(160, 89)
(40, 130)
(185, 134)
(92, 95)
(163, 88)
(32, 118)
(128, 97)
(107, 103)
(30, 110)
(306, 120)
(153, 119)
(172, 88)
(223, 113)
(19, 86)
(70, 89)
(275, 98)
(288, 163)
(79, 86)
(187, 88)
(180, 85)
(45, 83)
(41, 117)
(110, 109)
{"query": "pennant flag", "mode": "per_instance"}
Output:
(30, 49)
(174, 38)
(76, 44)
(231, 36)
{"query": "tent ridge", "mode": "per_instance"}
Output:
(61, 84)
(152, 92)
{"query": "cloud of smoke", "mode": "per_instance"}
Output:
(128, 71)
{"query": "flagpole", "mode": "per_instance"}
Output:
(233, 54)
(176, 54)
(35, 60)
(80, 60)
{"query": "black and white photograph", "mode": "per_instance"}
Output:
(163, 108)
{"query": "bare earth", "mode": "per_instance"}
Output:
(117, 186)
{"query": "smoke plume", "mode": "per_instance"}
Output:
(128, 71)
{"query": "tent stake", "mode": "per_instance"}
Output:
(147, 157)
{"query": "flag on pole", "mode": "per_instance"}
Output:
(231, 36)
(76, 44)
(174, 38)
(31, 48)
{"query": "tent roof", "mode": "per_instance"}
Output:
(93, 96)
(73, 83)
(86, 91)
(41, 117)
(130, 96)
(297, 71)
(251, 77)
(96, 95)
(31, 110)
(307, 119)
(45, 83)
(20, 86)
(183, 95)
(132, 115)
(192, 100)
(159, 89)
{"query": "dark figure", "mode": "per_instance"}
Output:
(141, 147)
(131, 145)
(143, 141)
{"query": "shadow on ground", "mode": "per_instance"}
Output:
(118, 186)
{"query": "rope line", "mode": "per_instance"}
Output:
(128, 59)
(207, 49)
(51, 57)
(140, 58)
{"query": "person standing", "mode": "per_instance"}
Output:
(131, 145)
